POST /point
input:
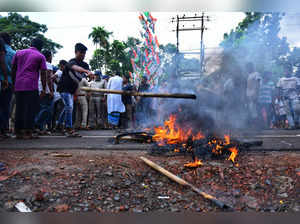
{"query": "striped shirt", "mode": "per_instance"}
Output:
(266, 92)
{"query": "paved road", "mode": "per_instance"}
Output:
(278, 140)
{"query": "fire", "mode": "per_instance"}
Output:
(218, 147)
(227, 139)
(172, 134)
(195, 164)
(233, 154)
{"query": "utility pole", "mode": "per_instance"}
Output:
(194, 18)
(177, 46)
(201, 44)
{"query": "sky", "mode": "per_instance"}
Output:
(68, 28)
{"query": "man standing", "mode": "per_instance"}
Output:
(82, 106)
(143, 107)
(115, 105)
(57, 103)
(265, 99)
(103, 105)
(44, 115)
(288, 90)
(95, 103)
(68, 85)
(6, 91)
(127, 100)
(27, 66)
(253, 85)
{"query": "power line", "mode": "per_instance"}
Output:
(196, 18)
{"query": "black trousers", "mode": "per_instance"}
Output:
(27, 107)
(5, 99)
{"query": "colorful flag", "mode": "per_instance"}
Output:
(146, 61)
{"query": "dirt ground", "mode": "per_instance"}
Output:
(114, 181)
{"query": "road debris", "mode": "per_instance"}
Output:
(61, 155)
(121, 182)
(184, 183)
(22, 207)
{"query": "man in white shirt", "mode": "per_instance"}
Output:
(115, 105)
(44, 115)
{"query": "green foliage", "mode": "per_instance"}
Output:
(22, 31)
(100, 36)
(256, 40)
(167, 54)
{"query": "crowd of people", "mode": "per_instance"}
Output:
(273, 105)
(37, 98)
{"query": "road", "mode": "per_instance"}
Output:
(273, 140)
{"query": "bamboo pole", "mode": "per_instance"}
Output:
(185, 183)
(142, 94)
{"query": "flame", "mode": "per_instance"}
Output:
(195, 164)
(233, 154)
(171, 133)
(218, 147)
(227, 139)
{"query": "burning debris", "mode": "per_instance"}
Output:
(180, 137)
(172, 137)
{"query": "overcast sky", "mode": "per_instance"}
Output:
(68, 28)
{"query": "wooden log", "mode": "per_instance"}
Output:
(142, 94)
(185, 183)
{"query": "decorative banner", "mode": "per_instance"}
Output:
(145, 61)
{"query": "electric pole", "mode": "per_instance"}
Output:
(202, 28)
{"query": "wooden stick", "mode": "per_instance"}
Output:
(184, 183)
(142, 94)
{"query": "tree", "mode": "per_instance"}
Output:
(98, 59)
(100, 38)
(22, 31)
(132, 42)
(118, 57)
(167, 55)
(256, 40)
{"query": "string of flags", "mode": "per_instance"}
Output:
(145, 60)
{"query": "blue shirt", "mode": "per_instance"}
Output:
(10, 53)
